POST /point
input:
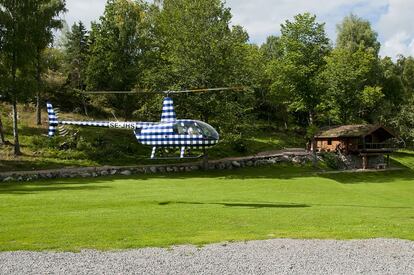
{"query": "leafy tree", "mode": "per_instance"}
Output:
(346, 77)
(403, 122)
(393, 90)
(17, 52)
(20, 28)
(401, 86)
(199, 49)
(46, 21)
(304, 45)
(354, 33)
(270, 105)
(76, 49)
(407, 75)
(119, 45)
(272, 48)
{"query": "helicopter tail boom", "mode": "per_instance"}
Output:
(54, 122)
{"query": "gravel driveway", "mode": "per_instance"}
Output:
(278, 256)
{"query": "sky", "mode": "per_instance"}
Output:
(391, 19)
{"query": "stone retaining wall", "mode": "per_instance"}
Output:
(89, 172)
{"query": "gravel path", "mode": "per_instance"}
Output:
(278, 256)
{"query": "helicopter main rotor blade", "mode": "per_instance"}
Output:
(202, 90)
(110, 92)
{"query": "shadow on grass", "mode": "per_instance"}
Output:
(363, 206)
(31, 188)
(32, 165)
(33, 131)
(279, 205)
(247, 205)
(371, 177)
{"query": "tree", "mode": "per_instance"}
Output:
(200, 49)
(17, 50)
(393, 89)
(304, 45)
(353, 74)
(403, 121)
(76, 48)
(407, 75)
(272, 48)
(46, 21)
(19, 29)
(118, 49)
(2, 74)
(271, 105)
(354, 33)
(346, 76)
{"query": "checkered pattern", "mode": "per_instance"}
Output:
(168, 113)
(160, 134)
(53, 119)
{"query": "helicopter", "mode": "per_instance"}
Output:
(169, 132)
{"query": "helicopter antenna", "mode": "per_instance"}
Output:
(112, 112)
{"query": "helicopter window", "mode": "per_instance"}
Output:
(187, 128)
(195, 128)
(180, 129)
(207, 130)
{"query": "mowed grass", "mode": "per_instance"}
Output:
(205, 207)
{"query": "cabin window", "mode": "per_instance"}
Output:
(329, 141)
(195, 128)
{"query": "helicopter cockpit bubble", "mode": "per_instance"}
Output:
(195, 127)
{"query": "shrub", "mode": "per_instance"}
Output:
(331, 159)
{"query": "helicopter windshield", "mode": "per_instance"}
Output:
(195, 128)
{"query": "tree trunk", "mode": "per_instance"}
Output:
(313, 141)
(2, 139)
(17, 151)
(38, 110)
(311, 118)
(38, 80)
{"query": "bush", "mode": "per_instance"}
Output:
(331, 159)
(237, 143)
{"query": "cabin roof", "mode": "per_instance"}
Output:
(354, 130)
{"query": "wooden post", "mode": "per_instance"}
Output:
(388, 160)
(314, 156)
(364, 162)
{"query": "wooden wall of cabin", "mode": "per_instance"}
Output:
(328, 145)
(331, 144)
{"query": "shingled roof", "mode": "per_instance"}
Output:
(355, 130)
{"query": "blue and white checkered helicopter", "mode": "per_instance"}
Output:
(170, 132)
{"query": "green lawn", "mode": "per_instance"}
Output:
(199, 208)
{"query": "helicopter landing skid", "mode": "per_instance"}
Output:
(182, 155)
(177, 158)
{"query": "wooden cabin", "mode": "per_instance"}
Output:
(364, 140)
